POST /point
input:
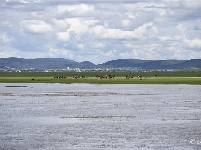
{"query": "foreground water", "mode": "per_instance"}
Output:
(89, 116)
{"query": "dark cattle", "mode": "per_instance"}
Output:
(104, 76)
(129, 76)
(111, 76)
(75, 77)
(60, 77)
(97, 76)
(78, 77)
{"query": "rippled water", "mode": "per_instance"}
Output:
(90, 116)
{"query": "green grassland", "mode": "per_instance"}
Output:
(90, 77)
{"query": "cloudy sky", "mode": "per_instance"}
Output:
(100, 30)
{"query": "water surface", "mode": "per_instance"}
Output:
(90, 116)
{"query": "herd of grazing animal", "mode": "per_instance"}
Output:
(64, 77)
(78, 77)
(130, 76)
(105, 76)
(60, 77)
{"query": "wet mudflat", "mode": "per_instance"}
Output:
(89, 116)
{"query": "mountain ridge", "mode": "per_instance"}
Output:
(62, 63)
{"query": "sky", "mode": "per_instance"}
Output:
(101, 30)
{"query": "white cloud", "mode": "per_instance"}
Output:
(17, 2)
(193, 4)
(172, 38)
(86, 30)
(137, 54)
(98, 45)
(172, 3)
(61, 28)
(60, 24)
(36, 26)
(80, 25)
(111, 53)
(4, 38)
(131, 15)
(76, 10)
(6, 51)
(109, 33)
(126, 23)
(63, 53)
(181, 27)
(63, 36)
(194, 43)
(80, 46)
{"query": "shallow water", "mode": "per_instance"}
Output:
(90, 116)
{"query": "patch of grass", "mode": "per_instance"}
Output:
(90, 77)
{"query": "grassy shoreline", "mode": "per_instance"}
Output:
(90, 77)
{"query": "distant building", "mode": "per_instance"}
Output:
(77, 70)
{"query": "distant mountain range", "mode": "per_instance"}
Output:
(155, 64)
(61, 63)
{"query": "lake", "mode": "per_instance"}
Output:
(98, 116)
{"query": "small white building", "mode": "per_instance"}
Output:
(77, 70)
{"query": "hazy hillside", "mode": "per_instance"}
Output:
(61, 63)
(150, 64)
(40, 63)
